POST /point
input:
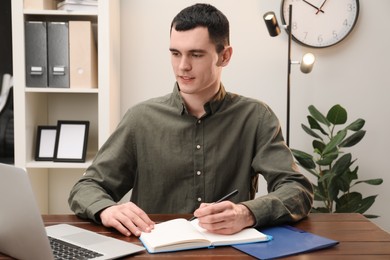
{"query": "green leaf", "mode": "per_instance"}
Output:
(328, 159)
(370, 216)
(353, 139)
(315, 125)
(353, 202)
(372, 181)
(348, 177)
(304, 159)
(310, 132)
(348, 202)
(357, 125)
(320, 210)
(317, 115)
(337, 115)
(342, 164)
(318, 145)
(335, 141)
(365, 204)
(333, 189)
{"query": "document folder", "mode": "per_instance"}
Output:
(82, 55)
(286, 241)
(58, 54)
(36, 54)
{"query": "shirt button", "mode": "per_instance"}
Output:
(198, 173)
(199, 121)
(199, 199)
(198, 147)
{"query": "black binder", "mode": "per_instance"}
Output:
(36, 54)
(58, 54)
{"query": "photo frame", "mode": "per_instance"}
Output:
(46, 139)
(71, 141)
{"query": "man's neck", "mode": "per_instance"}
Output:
(195, 102)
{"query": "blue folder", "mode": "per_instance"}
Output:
(287, 240)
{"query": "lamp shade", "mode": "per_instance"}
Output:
(272, 24)
(307, 62)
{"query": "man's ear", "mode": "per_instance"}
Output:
(225, 56)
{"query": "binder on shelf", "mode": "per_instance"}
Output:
(58, 54)
(40, 4)
(36, 53)
(82, 55)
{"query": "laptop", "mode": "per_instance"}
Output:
(22, 232)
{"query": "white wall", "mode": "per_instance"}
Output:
(353, 73)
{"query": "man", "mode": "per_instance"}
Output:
(181, 152)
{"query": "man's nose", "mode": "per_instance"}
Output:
(185, 63)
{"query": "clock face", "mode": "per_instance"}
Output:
(320, 23)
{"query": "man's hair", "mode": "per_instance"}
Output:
(204, 15)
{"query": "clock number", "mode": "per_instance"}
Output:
(345, 23)
(294, 26)
(350, 8)
(305, 33)
(320, 39)
(334, 33)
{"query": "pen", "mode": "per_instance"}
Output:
(227, 196)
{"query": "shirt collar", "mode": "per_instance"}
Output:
(210, 107)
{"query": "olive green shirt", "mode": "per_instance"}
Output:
(174, 161)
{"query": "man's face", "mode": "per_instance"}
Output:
(195, 62)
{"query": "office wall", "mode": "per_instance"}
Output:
(353, 73)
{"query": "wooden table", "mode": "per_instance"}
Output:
(359, 238)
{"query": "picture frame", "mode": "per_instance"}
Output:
(45, 143)
(71, 141)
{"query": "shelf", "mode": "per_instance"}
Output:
(61, 165)
(39, 106)
(59, 12)
(61, 90)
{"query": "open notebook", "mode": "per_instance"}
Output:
(22, 232)
(181, 234)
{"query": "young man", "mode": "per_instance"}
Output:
(183, 151)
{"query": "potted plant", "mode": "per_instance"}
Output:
(332, 165)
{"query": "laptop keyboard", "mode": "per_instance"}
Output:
(64, 250)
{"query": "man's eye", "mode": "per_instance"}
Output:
(197, 55)
(175, 53)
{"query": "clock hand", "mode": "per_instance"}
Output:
(322, 5)
(315, 7)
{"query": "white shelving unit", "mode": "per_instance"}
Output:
(45, 106)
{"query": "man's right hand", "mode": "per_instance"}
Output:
(127, 218)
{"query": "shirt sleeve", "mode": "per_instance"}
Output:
(103, 185)
(290, 194)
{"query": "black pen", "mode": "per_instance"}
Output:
(227, 196)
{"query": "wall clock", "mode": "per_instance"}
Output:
(320, 23)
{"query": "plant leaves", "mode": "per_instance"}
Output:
(348, 202)
(333, 187)
(317, 115)
(353, 139)
(337, 115)
(365, 204)
(371, 181)
(319, 146)
(315, 125)
(328, 159)
(342, 164)
(310, 132)
(348, 177)
(356, 125)
(304, 159)
(335, 141)
(370, 216)
(320, 210)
